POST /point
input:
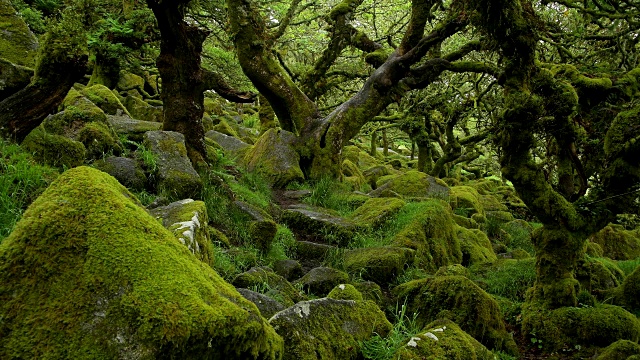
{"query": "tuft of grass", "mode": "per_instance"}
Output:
(627, 266)
(252, 121)
(283, 246)
(22, 180)
(507, 278)
(383, 348)
(331, 194)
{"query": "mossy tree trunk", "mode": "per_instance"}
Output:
(183, 78)
(532, 96)
(321, 139)
(61, 62)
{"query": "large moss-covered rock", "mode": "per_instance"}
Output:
(379, 264)
(87, 273)
(319, 223)
(177, 179)
(232, 146)
(462, 301)
(187, 220)
(105, 99)
(465, 200)
(352, 174)
(598, 275)
(267, 306)
(139, 109)
(414, 184)
(567, 327)
(345, 292)
(328, 328)
(13, 78)
(618, 243)
(128, 81)
(475, 246)
(133, 130)
(629, 292)
(17, 42)
(360, 158)
(375, 211)
(443, 339)
(274, 157)
(433, 234)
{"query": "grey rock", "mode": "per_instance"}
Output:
(232, 146)
(176, 177)
(13, 78)
(321, 280)
(267, 306)
(125, 170)
(319, 223)
(134, 130)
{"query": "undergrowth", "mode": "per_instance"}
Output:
(22, 180)
(383, 348)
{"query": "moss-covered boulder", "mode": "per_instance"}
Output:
(452, 270)
(224, 127)
(568, 327)
(598, 275)
(17, 42)
(618, 243)
(176, 178)
(462, 301)
(141, 110)
(263, 277)
(262, 233)
(379, 264)
(128, 81)
(328, 328)
(232, 146)
(53, 149)
(443, 339)
(13, 78)
(105, 99)
(375, 211)
(433, 234)
(414, 184)
(187, 220)
(312, 252)
(274, 157)
(289, 269)
(621, 349)
(345, 292)
(321, 280)
(319, 223)
(87, 273)
(360, 158)
(475, 246)
(465, 200)
(133, 130)
(125, 170)
(352, 174)
(628, 293)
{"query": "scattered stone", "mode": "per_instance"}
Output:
(618, 243)
(133, 130)
(125, 170)
(232, 146)
(139, 109)
(176, 176)
(345, 292)
(328, 328)
(318, 223)
(105, 99)
(274, 157)
(288, 269)
(264, 277)
(379, 264)
(621, 349)
(319, 281)
(310, 251)
(414, 184)
(267, 306)
(376, 211)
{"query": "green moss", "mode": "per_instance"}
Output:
(274, 157)
(87, 273)
(213, 107)
(462, 301)
(570, 326)
(619, 141)
(128, 81)
(520, 254)
(345, 292)
(475, 246)
(353, 174)
(363, 160)
(507, 278)
(379, 264)
(224, 127)
(465, 200)
(104, 99)
(621, 349)
(629, 292)
(452, 270)
(376, 211)
(17, 43)
(343, 8)
(99, 140)
(378, 57)
(259, 276)
(593, 249)
(597, 275)
(54, 150)
(443, 339)
(328, 328)
(263, 233)
(433, 234)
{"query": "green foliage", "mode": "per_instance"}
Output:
(383, 348)
(506, 278)
(627, 266)
(331, 194)
(22, 180)
(283, 246)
